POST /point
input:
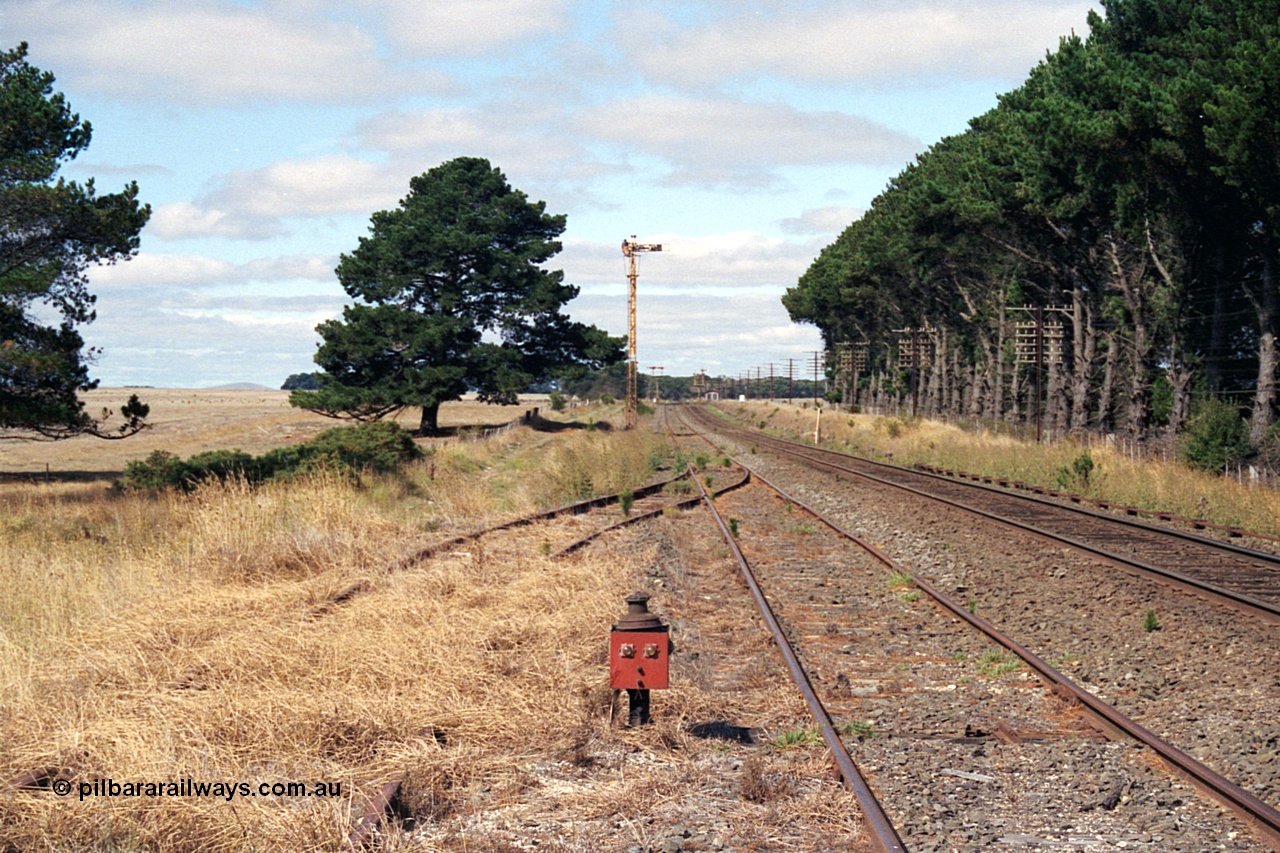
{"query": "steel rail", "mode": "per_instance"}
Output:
(653, 513)
(971, 481)
(1240, 601)
(883, 834)
(1261, 817)
(1258, 815)
(1197, 523)
(576, 508)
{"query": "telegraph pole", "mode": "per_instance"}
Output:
(629, 249)
(817, 365)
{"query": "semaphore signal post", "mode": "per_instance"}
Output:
(629, 249)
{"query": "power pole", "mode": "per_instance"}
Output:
(818, 364)
(1039, 341)
(915, 371)
(629, 249)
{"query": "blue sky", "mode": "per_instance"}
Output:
(264, 133)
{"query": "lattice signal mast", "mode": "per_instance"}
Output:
(630, 248)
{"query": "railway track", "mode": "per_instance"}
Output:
(964, 762)
(1244, 578)
(791, 587)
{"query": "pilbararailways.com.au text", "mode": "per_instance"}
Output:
(190, 788)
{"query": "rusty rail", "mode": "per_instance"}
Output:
(576, 508)
(1004, 482)
(1240, 601)
(1261, 817)
(653, 513)
(884, 836)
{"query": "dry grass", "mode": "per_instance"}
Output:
(1150, 484)
(170, 637)
(253, 635)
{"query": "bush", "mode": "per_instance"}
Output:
(558, 401)
(159, 470)
(1216, 436)
(1077, 474)
(380, 447)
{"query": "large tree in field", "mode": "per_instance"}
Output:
(51, 233)
(451, 296)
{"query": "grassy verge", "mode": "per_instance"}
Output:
(1156, 485)
(165, 636)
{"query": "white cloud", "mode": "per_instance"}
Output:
(249, 204)
(738, 260)
(534, 146)
(467, 27)
(183, 219)
(722, 141)
(152, 269)
(207, 52)
(319, 186)
(845, 43)
(822, 220)
(721, 334)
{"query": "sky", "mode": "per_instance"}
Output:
(743, 136)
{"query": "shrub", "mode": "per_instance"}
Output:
(558, 401)
(164, 470)
(380, 447)
(1216, 436)
(1077, 473)
(161, 469)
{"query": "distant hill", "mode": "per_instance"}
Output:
(240, 386)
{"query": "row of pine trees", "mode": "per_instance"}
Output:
(1130, 189)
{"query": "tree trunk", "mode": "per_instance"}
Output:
(1220, 324)
(1015, 391)
(958, 383)
(1084, 345)
(983, 379)
(1265, 303)
(429, 424)
(973, 392)
(997, 391)
(1056, 404)
(1129, 276)
(1180, 377)
(1105, 421)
